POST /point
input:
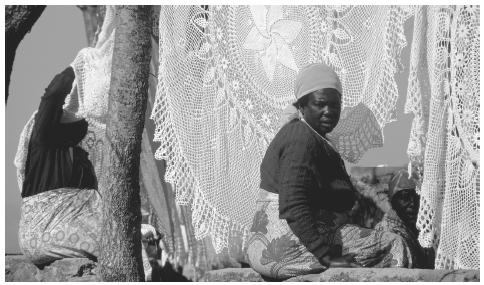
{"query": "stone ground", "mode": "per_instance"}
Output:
(17, 268)
(353, 274)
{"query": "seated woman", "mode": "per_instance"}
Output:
(402, 217)
(306, 196)
(60, 215)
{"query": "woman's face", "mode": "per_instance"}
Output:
(406, 203)
(322, 110)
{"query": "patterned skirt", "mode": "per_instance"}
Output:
(60, 223)
(275, 252)
(66, 222)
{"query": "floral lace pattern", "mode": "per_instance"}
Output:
(444, 143)
(227, 72)
(271, 36)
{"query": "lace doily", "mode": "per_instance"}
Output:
(227, 73)
(92, 67)
(22, 149)
(444, 145)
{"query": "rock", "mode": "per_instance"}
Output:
(232, 274)
(389, 274)
(87, 278)
(351, 274)
(18, 268)
(64, 269)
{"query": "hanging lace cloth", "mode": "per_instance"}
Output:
(92, 67)
(444, 145)
(227, 73)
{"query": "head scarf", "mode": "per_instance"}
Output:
(312, 77)
(400, 181)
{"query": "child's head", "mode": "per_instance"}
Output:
(404, 199)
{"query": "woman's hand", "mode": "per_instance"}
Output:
(62, 82)
(345, 261)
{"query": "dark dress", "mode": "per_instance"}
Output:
(309, 175)
(50, 163)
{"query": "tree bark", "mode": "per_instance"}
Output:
(18, 22)
(120, 258)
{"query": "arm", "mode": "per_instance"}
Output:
(297, 181)
(340, 195)
(50, 108)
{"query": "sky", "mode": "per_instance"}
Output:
(52, 45)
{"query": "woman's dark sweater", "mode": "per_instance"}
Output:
(50, 164)
(309, 175)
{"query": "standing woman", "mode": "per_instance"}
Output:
(306, 196)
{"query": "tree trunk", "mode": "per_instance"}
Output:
(120, 258)
(18, 22)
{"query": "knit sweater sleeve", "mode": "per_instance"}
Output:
(297, 182)
(50, 109)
